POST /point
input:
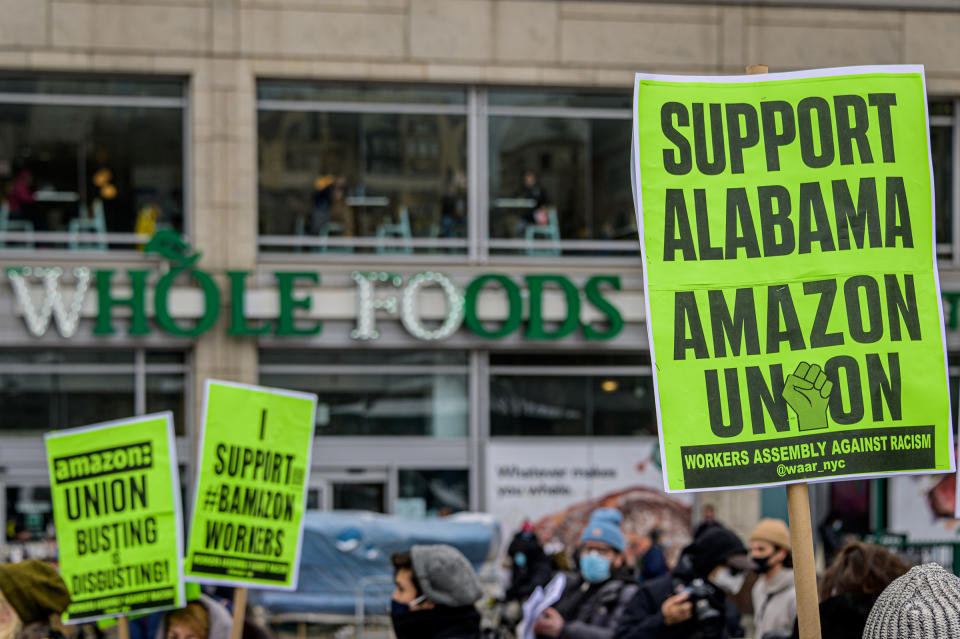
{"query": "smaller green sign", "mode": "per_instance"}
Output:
(247, 522)
(116, 506)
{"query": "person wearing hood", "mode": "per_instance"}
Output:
(774, 597)
(530, 567)
(436, 589)
(30, 592)
(692, 603)
(594, 599)
(203, 618)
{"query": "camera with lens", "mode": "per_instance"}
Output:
(710, 620)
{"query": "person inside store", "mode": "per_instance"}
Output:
(594, 599)
(537, 214)
(850, 586)
(774, 597)
(453, 205)
(692, 602)
(529, 565)
(32, 595)
(331, 215)
(436, 589)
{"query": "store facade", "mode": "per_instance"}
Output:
(435, 234)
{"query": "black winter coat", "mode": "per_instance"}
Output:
(592, 611)
(644, 620)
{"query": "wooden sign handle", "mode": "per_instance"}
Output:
(801, 535)
(239, 612)
(123, 627)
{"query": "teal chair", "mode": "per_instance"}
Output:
(399, 230)
(540, 232)
(89, 224)
(15, 226)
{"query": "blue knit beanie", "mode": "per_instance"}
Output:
(604, 526)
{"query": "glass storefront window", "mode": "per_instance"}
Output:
(572, 406)
(554, 179)
(46, 389)
(29, 513)
(362, 404)
(432, 493)
(73, 174)
(387, 393)
(348, 178)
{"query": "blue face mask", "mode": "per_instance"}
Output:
(594, 568)
(520, 560)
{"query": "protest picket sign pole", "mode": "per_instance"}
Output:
(239, 612)
(801, 534)
(123, 627)
(804, 562)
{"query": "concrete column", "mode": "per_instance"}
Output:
(223, 220)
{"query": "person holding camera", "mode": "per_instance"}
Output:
(593, 600)
(692, 603)
(774, 597)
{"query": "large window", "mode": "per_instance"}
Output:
(362, 169)
(45, 389)
(89, 163)
(559, 178)
(571, 397)
(943, 127)
(377, 393)
(404, 171)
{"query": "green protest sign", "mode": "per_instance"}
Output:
(251, 488)
(793, 302)
(116, 507)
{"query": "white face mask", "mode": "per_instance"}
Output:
(727, 581)
(10, 624)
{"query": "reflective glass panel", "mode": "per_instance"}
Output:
(555, 179)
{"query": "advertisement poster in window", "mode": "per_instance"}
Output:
(556, 485)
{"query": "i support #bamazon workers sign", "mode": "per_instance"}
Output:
(376, 292)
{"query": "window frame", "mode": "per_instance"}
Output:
(127, 242)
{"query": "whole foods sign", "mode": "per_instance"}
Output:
(376, 292)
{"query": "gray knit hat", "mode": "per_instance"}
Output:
(445, 575)
(922, 604)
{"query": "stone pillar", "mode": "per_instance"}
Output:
(223, 212)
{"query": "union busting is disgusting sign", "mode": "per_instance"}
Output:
(794, 314)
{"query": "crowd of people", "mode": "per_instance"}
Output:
(866, 592)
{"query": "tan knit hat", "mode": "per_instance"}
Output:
(773, 531)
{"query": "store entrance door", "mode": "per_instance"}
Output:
(368, 491)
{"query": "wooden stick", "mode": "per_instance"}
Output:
(804, 562)
(239, 612)
(123, 627)
(801, 535)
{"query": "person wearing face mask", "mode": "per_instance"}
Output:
(692, 602)
(529, 565)
(436, 589)
(30, 592)
(594, 599)
(774, 597)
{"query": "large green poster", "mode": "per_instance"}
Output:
(794, 315)
(251, 489)
(116, 507)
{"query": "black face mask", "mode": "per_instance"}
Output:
(763, 564)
